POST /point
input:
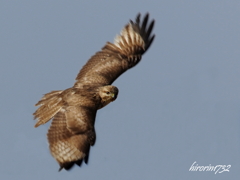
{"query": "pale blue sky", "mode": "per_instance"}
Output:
(179, 105)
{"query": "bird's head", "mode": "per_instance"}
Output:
(108, 94)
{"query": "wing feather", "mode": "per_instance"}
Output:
(107, 65)
(70, 136)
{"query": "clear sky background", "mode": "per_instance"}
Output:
(181, 104)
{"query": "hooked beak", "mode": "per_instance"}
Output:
(113, 96)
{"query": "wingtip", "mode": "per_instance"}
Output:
(60, 169)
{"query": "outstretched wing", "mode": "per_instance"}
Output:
(107, 65)
(71, 134)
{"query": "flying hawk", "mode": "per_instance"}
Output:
(73, 110)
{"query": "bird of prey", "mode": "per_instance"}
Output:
(73, 111)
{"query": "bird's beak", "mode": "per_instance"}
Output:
(113, 95)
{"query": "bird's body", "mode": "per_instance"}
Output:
(74, 110)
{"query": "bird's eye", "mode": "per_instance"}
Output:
(108, 92)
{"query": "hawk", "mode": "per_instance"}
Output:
(73, 111)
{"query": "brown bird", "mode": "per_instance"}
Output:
(73, 110)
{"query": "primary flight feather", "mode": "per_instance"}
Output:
(73, 110)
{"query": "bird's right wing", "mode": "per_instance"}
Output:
(71, 134)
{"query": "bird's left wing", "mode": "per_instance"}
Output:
(107, 65)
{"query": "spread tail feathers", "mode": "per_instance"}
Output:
(50, 104)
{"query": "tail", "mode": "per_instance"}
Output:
(50, 104)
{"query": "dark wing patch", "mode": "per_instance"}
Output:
(107, 65)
